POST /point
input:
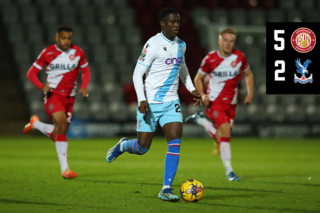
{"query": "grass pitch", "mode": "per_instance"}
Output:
(277, 175)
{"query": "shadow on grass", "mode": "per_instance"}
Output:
(226, 197)
(257, 207)
(10, 201)
(177, 186)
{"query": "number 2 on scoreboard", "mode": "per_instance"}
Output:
(281, 70)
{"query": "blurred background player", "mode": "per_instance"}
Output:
(163, 61)
(224, 68)
(64, 61)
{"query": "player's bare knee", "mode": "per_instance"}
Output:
(62, 127)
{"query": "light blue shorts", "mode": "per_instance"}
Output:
(163, 113)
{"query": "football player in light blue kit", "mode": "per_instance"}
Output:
(162, 61)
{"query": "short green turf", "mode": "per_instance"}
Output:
(277, 175)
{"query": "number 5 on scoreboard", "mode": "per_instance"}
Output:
(276, 38)
(281, 70)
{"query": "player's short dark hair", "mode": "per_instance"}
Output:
(166, 11)
(64, 29)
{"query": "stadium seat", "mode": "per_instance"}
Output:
(16, 34)
(9, 15)
(68, 16)
(294, 16)
(62, 2)
(287, 4)
(93, 35)
(255, 112)
(269, 4)
(306, 4)
(241, 113)
(42, 2)
(312, 15)
(130, 95)
(106, 15)
(238, 17)
(49, 15)
(86, 15)
(35, 33)
(119, 53)
(29, 15)
(119, 3)
(257, 17)
(118, 111)
(99, 111)
(312, 113)
(251, 4)
(212, 4)
(37, 108)
(100, 54)
(219, 16)
(132, 35)
(294, 113)
(132, 111)
(289, 99)
(81, 109)
(274, 113)
(198, 14)
(126, 17)
(231, 4)
(275, 16)
(191, 4)
(112, 35)
(81, 3)
(23, 2)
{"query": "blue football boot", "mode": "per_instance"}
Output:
(115, 151)
(167, 195)
(232, 177)
(193, 118)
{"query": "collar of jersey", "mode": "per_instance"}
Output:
(171, 42)
(221, 55)
(62, 50)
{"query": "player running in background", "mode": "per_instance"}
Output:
(162, 61)
(64, 61)
(224, 67)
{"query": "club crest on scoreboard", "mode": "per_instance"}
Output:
(303, 40)
(302, 69)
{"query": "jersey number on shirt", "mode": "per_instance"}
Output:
(177, 106)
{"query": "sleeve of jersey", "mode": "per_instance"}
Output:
(138, 82)
(85, 76)
(204, 67)
(83, 60)
(185, 77)
(184, 74)
(32, 76)
(35, 69)
(245, 65)
(148, 55)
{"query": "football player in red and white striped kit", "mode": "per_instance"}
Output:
(63, 63)
(224, 67)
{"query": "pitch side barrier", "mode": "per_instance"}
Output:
(87, 129)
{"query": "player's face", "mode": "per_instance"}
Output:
(171, 24)
(64, 40)
(226, 42)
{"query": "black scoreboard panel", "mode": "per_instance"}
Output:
(293, 58)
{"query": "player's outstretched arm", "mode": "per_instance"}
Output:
(33, 77)
(199, 86)
(86, 75)
(249, 82)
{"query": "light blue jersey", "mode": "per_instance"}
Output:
(164, 60)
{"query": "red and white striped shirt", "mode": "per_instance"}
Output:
(224, 73)
(63, 68)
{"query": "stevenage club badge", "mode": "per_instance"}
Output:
(303, 40)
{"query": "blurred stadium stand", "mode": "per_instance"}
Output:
(112, 34)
